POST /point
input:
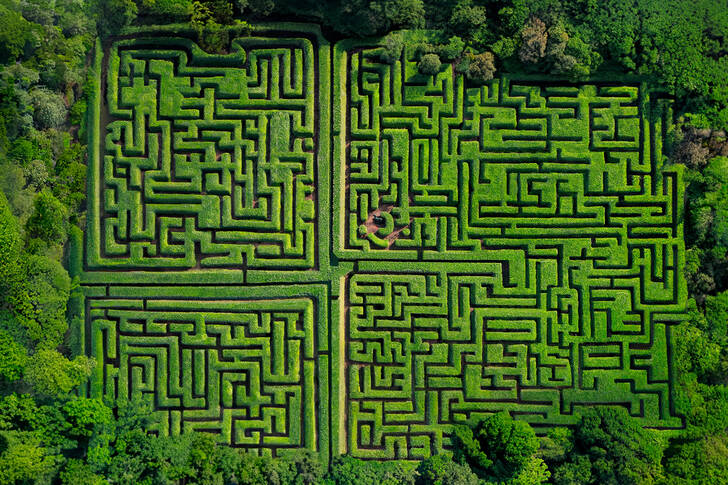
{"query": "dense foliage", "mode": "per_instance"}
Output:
(48, 434)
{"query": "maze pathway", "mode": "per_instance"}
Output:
(298, 245)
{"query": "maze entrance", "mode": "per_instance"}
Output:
(298, 245)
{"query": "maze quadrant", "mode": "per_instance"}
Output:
(209, 161)
(249, 369)
(449, 170)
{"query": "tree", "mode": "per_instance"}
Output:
(697, 349)
(346, 470)
(466, 18)
(85, 416)
(113, 15)
(22, 151)
(50, 373)
(481, 67)
(48, 222)
(166, 9)
(610, 447)
(23, 459)
(305, 468)
(498, 447)
(615, 29)
(533, 41)
(10, 245)
(452, 50)
(429, 64)
(38, 11)
(569, 54)
(403, 14)
(70, 181)
(690, 150)
(392, 50)
(703, 460)
(262, 8)
(533, 472)
(49, 108)
(38, 303)
(76, 472)
(708, 208)
(36, 174)
(15, 32)
(442, 470)
(211, 35)
(252, 470)
(13, 357)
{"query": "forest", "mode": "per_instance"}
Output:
(56, 429)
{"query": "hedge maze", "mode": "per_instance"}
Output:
(207, 163)
(243, 368)
(298, 245)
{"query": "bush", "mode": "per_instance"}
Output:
(429, 64)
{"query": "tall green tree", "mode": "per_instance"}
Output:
(610, 448)
(498, 448)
